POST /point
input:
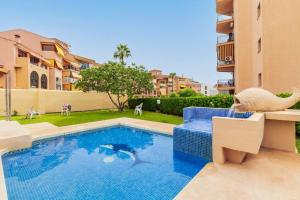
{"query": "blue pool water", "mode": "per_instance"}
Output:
(114, 163)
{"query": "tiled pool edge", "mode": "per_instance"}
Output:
(87, 127)
(3, 191)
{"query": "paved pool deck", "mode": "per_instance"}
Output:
(273, 175)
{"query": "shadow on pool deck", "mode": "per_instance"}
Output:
(269, 175)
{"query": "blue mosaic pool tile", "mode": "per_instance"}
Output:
(144, 167)
(194, 137)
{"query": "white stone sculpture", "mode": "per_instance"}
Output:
(256, 99)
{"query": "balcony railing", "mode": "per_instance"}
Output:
(225, 83)
(71, 67)
(68, 80)
(225, 38)
(229, 61)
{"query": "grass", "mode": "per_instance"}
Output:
(91, 116)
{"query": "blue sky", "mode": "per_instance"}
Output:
(172, 35)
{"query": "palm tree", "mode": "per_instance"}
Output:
(122, 52)
(172, 75)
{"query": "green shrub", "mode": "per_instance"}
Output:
(187, 93)
(296, 106)
(15, 113)
(149, 104)
(285, 95)
(175, 105)
(173, 94)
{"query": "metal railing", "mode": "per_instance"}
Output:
(71, 67)
(225, 38)
(225, 83)
(225, 62)
(69, 80)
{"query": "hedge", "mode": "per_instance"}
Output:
(175, 105)
(296, 106)
(285, 95)
(149, 104)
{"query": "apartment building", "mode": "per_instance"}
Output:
(208, 90)
(35, 61)
(258, 43)
(165, 84)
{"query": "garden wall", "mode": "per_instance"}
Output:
(47, 101)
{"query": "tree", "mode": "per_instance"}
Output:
(172, 75)
(122, 52)
(119, 82)
(188, 92)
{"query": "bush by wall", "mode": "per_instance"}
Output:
(296, 106)
(285, 95)
(149, 104)
(175, 105)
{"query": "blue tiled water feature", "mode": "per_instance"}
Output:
(194, 137)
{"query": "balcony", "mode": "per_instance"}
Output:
(225, 66)
(71, 67)
(225, 53)
(225, 23)
(69, 80)
(224, 6)
(225, 85)
(22, 62)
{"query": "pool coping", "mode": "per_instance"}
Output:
(154, 127)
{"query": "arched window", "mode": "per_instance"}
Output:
(34, 79)
(44, 81)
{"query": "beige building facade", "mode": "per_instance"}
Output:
(35, 61)
(258, 43)
(164, 85)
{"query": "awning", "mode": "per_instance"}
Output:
(59, 65)
(47, 62)
(75, 75)
(52, 62)
(60, 50)
(3, 70)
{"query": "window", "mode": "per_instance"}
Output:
(58, 83)
(34, 60)
(85, 66)
(22, 53)
(44, 82)
(259, 80)
(259, 45)
(258, 10)
(48, 47)
(34, 80)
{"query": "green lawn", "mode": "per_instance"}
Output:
(90, 116)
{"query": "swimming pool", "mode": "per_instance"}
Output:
(110, 163)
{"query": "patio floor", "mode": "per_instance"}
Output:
(273, 175)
